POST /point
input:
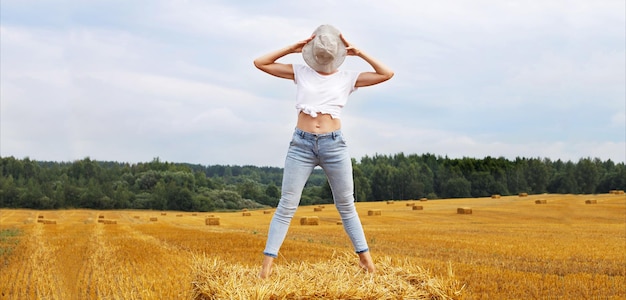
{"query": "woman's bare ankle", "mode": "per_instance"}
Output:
(366, 262)
(266, 267)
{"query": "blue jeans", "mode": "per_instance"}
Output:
(306, 151)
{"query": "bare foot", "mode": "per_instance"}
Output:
(266, 267)
(365, 262)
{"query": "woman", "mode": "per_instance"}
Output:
(322, 91)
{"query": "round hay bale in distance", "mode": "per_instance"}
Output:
(464, 211)
(374, 212)
(591, 201)
(418, 207)
(311, 220)
(541, 201)
(212, 221)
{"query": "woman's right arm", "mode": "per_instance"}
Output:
(267, 63)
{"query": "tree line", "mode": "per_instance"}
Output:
(157, 185)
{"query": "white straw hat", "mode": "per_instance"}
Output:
(326, 51)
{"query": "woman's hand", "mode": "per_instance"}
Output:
(297, 47)
(350, 49)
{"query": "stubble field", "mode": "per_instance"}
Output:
(508, 248)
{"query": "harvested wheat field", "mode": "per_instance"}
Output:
(507, 248)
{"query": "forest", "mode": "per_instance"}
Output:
(158, 185)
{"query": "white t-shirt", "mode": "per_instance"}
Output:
(326, 94)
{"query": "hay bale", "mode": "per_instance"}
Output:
(164, 214)
(109, 222)
(246, 214)
(410, 204)
(523, 194)
(210, 216)
(43, 221)
(40, 217)
(321, 206)
(179, 215)
(153, 219)
(541, 201)
(418, 207)
(100, 220)
(591, 201)
(317, 209)
(424, 199)
(389, 202)
(136, 217)
(374, 212)
(267, 212)
(212, 221)
(194, 214)
(100, 217)
(339, 223)
(313, 220)
(495, 196)
(464, 211)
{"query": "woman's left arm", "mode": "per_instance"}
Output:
(381, 71)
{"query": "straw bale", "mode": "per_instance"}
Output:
(423, 199)
(100, 217)
(267, 212)
(179, 215)
(410, 204)
(418, 207)
(100, 220)
(321, 206)
(374, 212)
(153, 219)
(541, 201)
(464, 211)
(317, 209)
(591, 201)
(210, 216)
(109, 222)
(246, 214)
(163, 214)
(43, 221)
(212, 221)
(311, 220)
(523, 194)
(339, 223)
(495, 196)
(389, 202)
(194, 214)
(136, 217)
(40, 217)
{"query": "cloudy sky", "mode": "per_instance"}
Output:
(130, 81)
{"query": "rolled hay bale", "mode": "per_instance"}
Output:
(246, 214)
(495, 196)
(153, 219)
(136, 217)
(267, 212)
(312, 220)
(212, 221)
(410, 204)
(321, 206)
(100, 220)
(194, 214)
(464, 211)
(109, 222)
(179, 215)
(164, 214)
(374, 212)
(210, 216)
(541, 201)
(523, 194)
(100, 217)
(339, 223)
(40, 217)
(317, 209)
(418, 207)
(389, 202)
(591, 201)
(423, 199)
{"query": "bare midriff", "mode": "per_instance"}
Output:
(323, 123)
